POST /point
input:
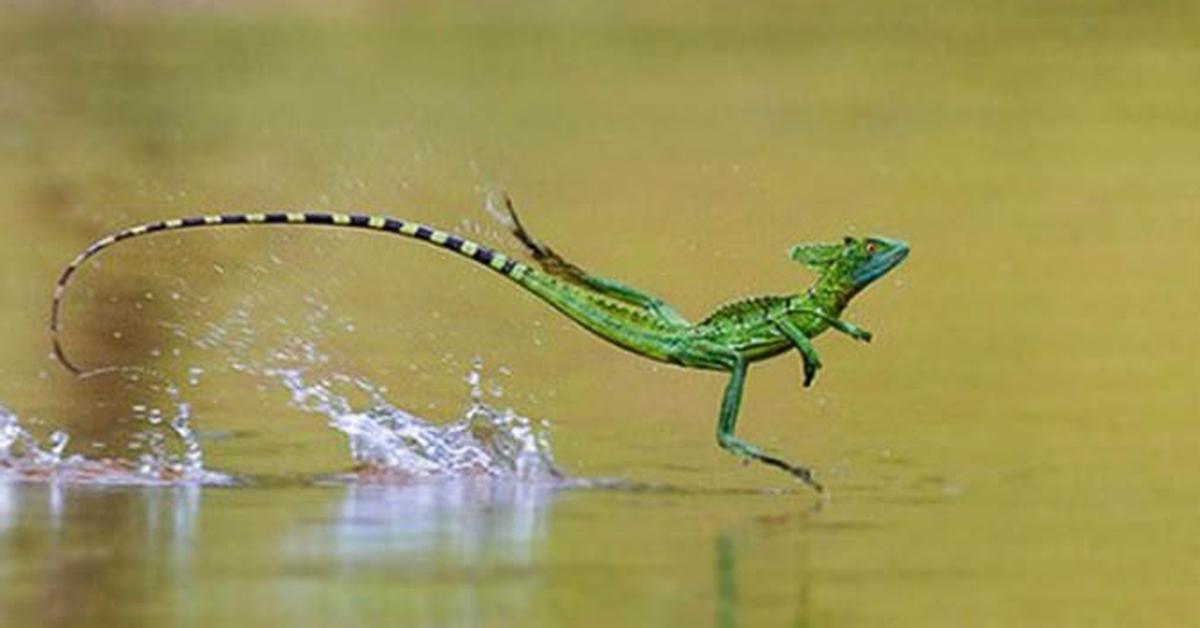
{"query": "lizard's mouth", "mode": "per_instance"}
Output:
(891, 253)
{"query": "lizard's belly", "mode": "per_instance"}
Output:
(763, 347)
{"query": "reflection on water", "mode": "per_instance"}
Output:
(792, 601)
(56, 539)
(8, 506)
(461, 552)
(727, 595)
(459, 520)
(480, 537)
(164, 517)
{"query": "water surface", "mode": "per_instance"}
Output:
(1016, 447)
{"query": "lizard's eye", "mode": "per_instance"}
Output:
(871, 248)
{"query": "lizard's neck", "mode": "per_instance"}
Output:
(831, 293)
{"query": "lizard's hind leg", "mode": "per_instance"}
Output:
(554, 264)
(546, 257)
(727, 422)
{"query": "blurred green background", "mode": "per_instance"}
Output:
(1015, 448)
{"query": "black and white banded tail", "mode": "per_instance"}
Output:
(493, 259)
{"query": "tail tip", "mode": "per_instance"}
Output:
(61, 356)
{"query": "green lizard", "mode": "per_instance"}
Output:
(729, 339)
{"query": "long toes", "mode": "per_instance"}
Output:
(801, 473)
(806, 476)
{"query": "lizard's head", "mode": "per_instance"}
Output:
(856, 261)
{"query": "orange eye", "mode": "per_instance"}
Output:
(871, 248)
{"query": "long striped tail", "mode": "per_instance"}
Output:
(476, 252)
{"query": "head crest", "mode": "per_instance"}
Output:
(816, 256)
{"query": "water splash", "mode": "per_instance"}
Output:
(23, 457)
(386, 441)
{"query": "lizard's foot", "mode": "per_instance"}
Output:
(546, 257)
(804, 474)
(746, 451)
(811, 366)
(500, 205)
(856, 332)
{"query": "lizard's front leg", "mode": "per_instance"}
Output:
(850, 329)
(812, 362)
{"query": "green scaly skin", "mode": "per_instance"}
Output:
(730, 339)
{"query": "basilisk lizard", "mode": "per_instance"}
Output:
(729, 339)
